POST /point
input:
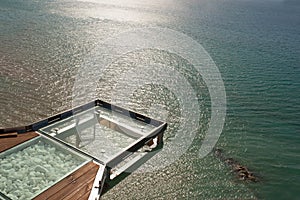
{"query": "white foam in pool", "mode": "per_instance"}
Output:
(28, 171)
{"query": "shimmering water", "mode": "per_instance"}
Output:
(255, 45)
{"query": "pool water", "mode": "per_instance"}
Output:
(30, 168)
(99, 132)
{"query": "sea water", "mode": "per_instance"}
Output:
(255, 45)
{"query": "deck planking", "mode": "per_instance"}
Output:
(77, 185)
(10, 142)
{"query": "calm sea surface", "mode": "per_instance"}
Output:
(255, 44)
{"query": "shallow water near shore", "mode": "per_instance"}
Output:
(254, 44)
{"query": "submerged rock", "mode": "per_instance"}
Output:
(242, 172)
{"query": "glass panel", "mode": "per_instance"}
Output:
(100, 132)
(121, 119)
(32, 167)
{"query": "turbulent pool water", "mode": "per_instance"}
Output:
(255, 45)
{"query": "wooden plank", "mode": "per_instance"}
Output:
(81, 181)
(6, 135)
(77, 179)
(81, 191)
(84, 197)
(9, 142)
(66, 181)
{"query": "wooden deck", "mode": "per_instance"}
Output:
(77, 185)
(9, 142)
